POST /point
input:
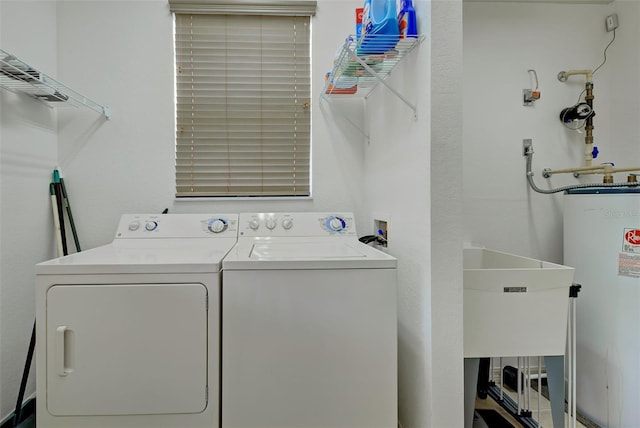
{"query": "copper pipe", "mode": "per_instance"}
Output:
(588, 139)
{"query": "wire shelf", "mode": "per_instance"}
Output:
(20, 77)
(361, 65)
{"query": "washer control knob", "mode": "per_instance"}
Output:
(217, 225)
(134, 225)
(287, 223)
(271, 223)
(151, 225)
(254, 224)
(335, 224)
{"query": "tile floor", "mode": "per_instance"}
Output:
(488, 403)
(545, 420)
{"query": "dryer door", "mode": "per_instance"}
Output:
(126, 349)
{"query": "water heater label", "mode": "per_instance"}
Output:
(631, 241)
(629, 265)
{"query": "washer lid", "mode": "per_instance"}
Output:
(299, 250)
(306, 254)
(143, 256)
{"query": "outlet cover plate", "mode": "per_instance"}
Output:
(612, 22)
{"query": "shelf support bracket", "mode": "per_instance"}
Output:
(371, 71)
(345, 115)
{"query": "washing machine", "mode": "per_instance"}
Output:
(128, 334)
(309, 325)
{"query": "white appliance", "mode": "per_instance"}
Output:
(309, 328)
(128, 334)
(602, 241)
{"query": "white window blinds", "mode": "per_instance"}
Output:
(243, 104)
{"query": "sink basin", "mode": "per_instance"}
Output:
(514, 305)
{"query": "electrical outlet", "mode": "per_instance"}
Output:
(529, 96)
(612, 22)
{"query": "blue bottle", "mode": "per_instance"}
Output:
(380, 31)
(407, 20)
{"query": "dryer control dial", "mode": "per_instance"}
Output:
(271, 223)
(287, 223)
(335, 224)
(217, 225)
(254, 224)
(151, 225)
(134, 225)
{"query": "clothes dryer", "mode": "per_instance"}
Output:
(128, 334)
(309, 327)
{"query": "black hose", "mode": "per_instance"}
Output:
(25, 376)
(61, 194)
(372, 238)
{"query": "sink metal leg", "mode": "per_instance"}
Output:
(555, 381)
(471, 367)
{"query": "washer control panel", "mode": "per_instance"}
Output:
(335, 223)
(177, 226)
(296, 224)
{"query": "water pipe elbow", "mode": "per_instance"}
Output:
(564, 75)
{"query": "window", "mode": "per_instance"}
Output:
(243, 105)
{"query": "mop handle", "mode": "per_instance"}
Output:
(56, 219)
(70, 215)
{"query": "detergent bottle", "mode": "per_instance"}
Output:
(359, 13)
(365, 18)
(380, 31)
(407, 20)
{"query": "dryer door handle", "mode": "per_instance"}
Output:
(59, 359)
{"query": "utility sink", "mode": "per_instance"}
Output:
(514, 305)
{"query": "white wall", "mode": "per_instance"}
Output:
(445, 263)
(120, 54)
(126, 164)
(412, 177)
(27, 157)
(621, 73)
(397, 188)
(501, 211)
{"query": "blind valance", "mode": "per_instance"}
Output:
(245, 7)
